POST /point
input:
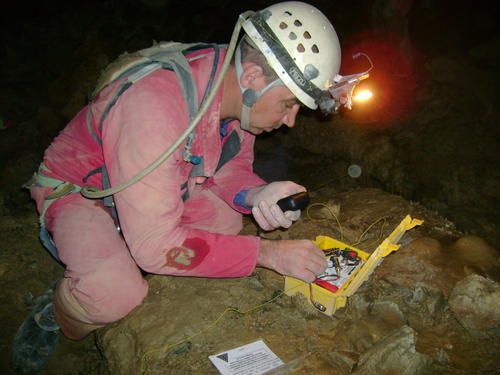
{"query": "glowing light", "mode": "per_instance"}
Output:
(362, 95)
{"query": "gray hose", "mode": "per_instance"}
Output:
(93, 192)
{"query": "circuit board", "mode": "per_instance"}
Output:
(341, 264)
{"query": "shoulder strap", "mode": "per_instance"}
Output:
(128, 63)
(133, 67)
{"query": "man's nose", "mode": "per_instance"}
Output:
(289, 118)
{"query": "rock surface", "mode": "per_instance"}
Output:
(388, 327)
(394, 354)
(475, 302)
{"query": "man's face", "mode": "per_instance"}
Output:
(276, 107)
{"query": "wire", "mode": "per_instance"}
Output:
(360, 238)
(169, 347)
(325, 218)
(356, 55)
(383, 219)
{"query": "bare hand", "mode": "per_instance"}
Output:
(297, 258)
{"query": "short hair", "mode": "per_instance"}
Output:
(249, 53)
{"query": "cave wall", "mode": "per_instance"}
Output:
(430, 135)
(444, 156)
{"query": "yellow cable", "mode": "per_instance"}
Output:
(325, 218)
(369, 227)
(340, 225)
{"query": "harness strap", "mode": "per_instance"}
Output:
(123, 87)
(109, 201)
(230, 149)
(90, 128)
(60, 189)
(171, 58)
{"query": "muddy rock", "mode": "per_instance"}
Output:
(162, 331)
(438, 265)
(475, 303)
(421, 264)
(394, 354)
(477, 256)
(416, 306)
(342, 362)
(359, 332)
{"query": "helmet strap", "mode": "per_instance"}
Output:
(249, 96)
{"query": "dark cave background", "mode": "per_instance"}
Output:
(431, 134)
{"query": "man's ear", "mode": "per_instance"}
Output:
(252, 76)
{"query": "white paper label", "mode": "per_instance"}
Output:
(251, 359)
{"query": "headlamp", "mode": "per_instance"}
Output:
(362, 96)
(340, 93)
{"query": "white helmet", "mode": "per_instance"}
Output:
(301, 46)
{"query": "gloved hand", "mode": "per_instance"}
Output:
(265, 210)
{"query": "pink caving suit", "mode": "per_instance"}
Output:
(162, 234)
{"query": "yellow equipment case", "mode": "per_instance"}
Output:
(328, 301)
